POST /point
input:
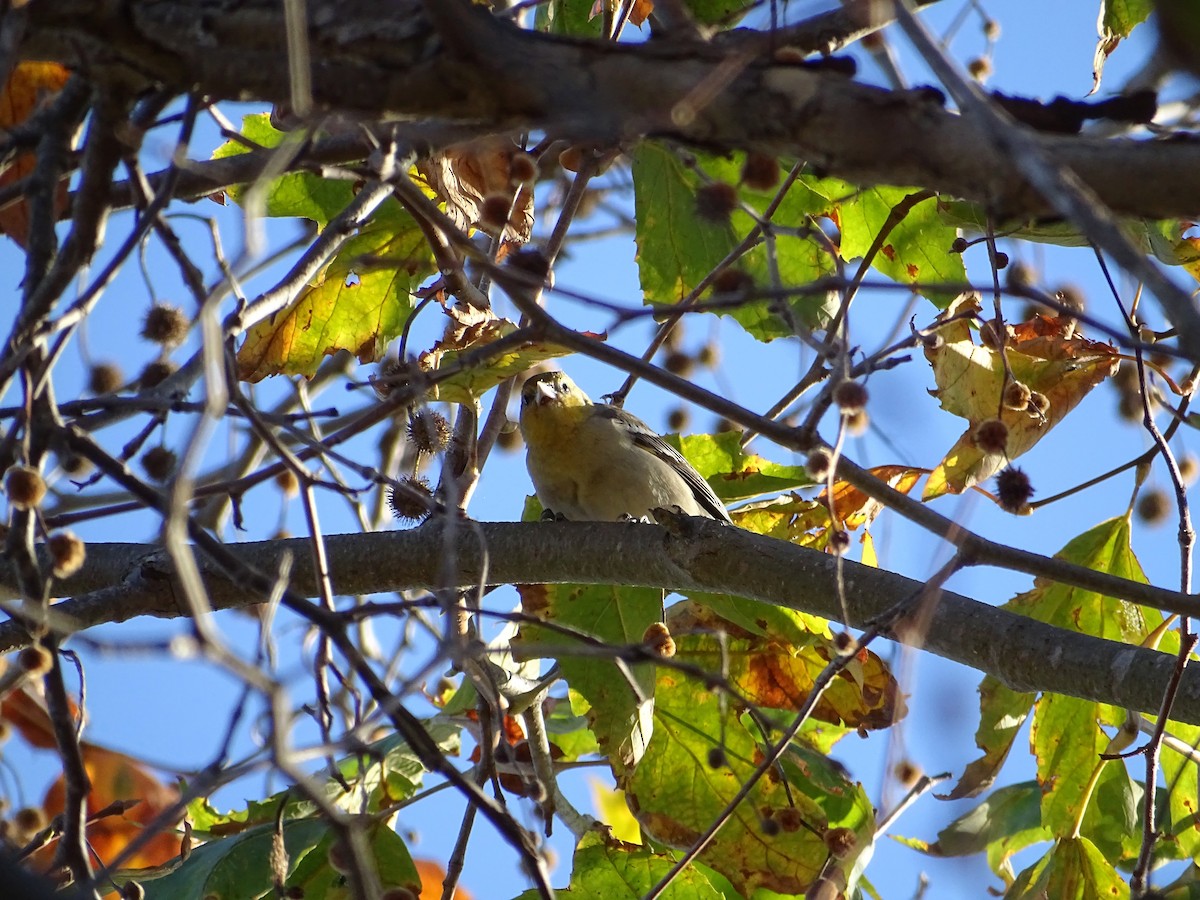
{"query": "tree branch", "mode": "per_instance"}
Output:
(120, 581)
(390, 62)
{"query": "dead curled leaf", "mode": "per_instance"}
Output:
(1046, 354)
(467, 177)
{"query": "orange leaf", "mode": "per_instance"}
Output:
(30, 86)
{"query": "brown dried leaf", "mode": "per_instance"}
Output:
(466, 175)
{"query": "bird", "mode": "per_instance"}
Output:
(594, 462)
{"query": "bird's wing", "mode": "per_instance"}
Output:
(644, 438)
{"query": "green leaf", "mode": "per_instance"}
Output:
(1002, 711)
(1004, 824)
(239, 867)
(1120, 17)
(677, 248)
(606, 869)
(298, 194)
(1073, 870)
(765, 619)
(1181, 839)
(676, 793)
(619, 698)
(917, 249)
(1104, 548)
(735, 474)
(570, 17)
(359, 303)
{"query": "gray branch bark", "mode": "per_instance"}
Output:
(120, 581)
(394, 61)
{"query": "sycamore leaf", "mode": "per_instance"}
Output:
(30, 86)
(775, 673)
(678, 247)
(606, 867)
(676, 793)
(241, 865)
(916, 250)
(1044, 354)
(469, 177)
(1002, 712)
(619, 700)
(1118, 18)
(296, 194)
(1074, 869)
(733, 473)
(359, 303)
(470, 331)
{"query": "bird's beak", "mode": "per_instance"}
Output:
(543, 393)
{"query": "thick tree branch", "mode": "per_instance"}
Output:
(391, 61)
(121, 581)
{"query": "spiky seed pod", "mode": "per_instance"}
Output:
(159, 463)
(411, 499)
(165, 325)
(845, 643)
(1039, 403)
(980, 68)
(850, 396)
(1153, 506)
(156, 372)
(522, 170)
(493, 215)
(104, 378)
(790, 819)
(658, 638)
(1014, 489)
(760, 172)
(906, 772)
(677, 419)
(839, 542)
(991, 436)
(25, 487)
(34, 660)
(732, 281)
(1016, 396)
(818, 464)
(428, 431)
(679, 363)
(840, 842)
(715, 202)
(288, 483)
(67, 553)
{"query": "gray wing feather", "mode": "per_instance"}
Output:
(644, 437)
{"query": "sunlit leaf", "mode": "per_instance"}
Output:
(604, 868)
(619, 699)
(677, 247)
(296, 194)
(917, 250)
(676, 793)
(359, 303)
(1004, 824)
(1074, 869)
(1044, 354)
